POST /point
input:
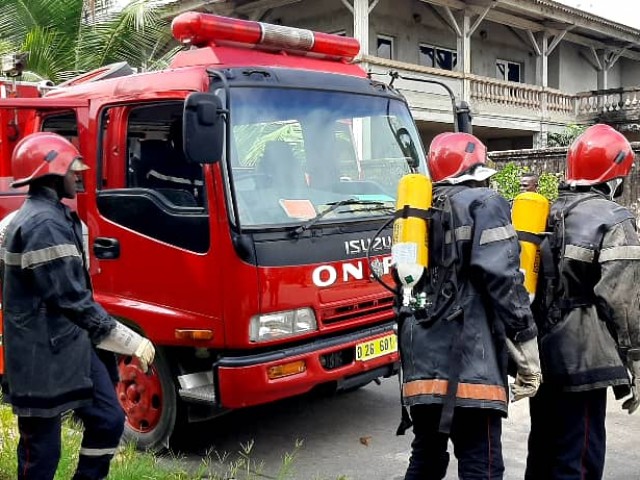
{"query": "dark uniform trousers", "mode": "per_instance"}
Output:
(568, 436)
(476, 437)
(103, 420)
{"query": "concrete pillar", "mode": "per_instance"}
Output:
(542, 79)
(540, 138)
(603, 75)
(464, 55)
(542, 62)
(361, 24)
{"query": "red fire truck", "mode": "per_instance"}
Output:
(231, 206)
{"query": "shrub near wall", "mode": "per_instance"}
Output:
(552, 161)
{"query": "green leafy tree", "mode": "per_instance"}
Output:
(65, 38)
(507, 181)
(566, 137)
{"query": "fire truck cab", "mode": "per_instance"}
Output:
(231, 205)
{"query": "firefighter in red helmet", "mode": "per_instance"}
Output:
(454, 352)
(52, 325)
(587, 310)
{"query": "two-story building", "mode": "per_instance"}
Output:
(526, 67)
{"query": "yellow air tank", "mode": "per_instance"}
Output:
(409, 241)
(529, 215)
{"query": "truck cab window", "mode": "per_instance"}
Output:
(66, 125)
(155, 156)
(152, 188)
(302, 151)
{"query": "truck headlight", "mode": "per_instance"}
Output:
(271, 326)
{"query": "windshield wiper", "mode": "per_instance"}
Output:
(334, 206)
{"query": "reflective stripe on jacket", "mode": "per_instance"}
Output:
(50, 317)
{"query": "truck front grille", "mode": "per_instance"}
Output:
(378, 308)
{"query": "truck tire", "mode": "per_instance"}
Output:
(150, 402)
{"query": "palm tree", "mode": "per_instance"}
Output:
(67, 37)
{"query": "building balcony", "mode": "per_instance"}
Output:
(494, 103)
(619, 107)
(509, 106)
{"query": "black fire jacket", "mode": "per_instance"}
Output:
(50, 317)
(491, 302)
(598, 327)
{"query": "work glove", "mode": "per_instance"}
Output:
(123, 340)
(529, 376)
(632, 404)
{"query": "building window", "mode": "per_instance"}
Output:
(510, 71)
(438, 57)
(385, 47)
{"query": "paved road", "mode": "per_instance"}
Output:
(354, 435)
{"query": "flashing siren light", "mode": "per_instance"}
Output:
(201, 29)
(529, 216)
(409, 251)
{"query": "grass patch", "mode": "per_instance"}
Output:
(131, 464)
(128, 464)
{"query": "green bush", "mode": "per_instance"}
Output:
(507, 181)
(566, 137)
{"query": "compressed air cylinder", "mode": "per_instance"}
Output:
(409, 240)
(529, 215)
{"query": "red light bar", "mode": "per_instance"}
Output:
(201, 29)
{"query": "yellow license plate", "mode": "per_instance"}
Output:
(376, 348)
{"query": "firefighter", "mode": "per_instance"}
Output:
(587, 310)
(52, 324)
(454, 352)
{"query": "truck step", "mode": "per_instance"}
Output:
(197, 387)
(202, 394)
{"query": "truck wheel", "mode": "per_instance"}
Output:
(149, 401)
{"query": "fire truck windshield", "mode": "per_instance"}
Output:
(295, 154)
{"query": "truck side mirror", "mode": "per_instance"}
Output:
(203, 128)
(403, 137)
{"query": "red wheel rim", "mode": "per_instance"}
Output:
(140, 395)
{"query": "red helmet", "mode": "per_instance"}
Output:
(43, 153)
(453, 156)
(598, 155)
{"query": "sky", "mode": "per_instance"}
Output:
(626, 12)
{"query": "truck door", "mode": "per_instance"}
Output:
(21, 116)
(155, 242)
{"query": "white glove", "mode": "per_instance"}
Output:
(145, 354)
(632, 404)
(529, 376)
(125, 341)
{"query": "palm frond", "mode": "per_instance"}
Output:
(66, 37)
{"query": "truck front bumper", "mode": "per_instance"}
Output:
(244, 381)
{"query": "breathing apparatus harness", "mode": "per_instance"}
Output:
(553, 302)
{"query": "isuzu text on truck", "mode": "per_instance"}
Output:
(230, 207)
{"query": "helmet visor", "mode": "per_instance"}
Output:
(478, 173)
(78, 165)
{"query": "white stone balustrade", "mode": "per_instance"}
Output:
(599, 102)
(490, 96)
